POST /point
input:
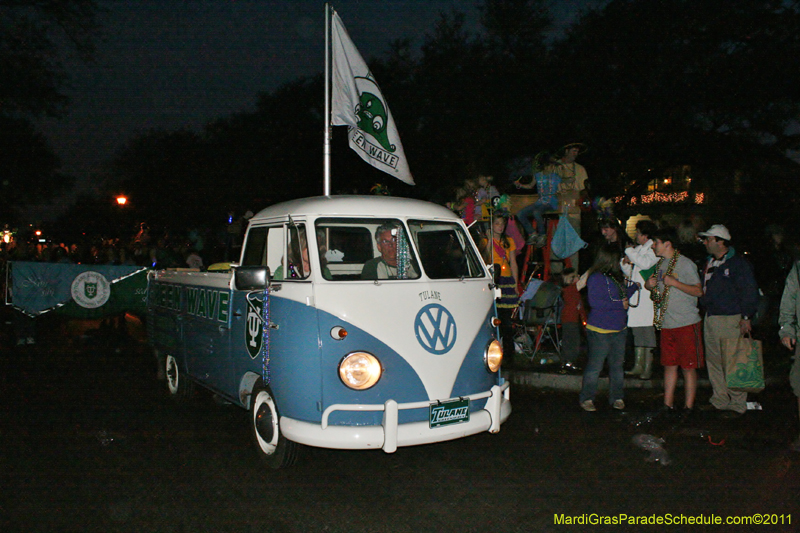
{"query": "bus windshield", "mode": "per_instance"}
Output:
(382, 249)
(445, 250)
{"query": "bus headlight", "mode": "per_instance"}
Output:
(493, 356)
(360, 370)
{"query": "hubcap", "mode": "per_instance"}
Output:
(264, 423)
(172, 374)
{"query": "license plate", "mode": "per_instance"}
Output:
(447, 413)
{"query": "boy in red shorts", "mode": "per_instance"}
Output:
(675, 288)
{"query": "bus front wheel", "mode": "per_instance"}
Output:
(275, 450)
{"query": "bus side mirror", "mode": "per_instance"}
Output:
(251, 278)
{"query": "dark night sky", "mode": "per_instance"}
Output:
(181, 63)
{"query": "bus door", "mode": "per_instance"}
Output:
(292, 361)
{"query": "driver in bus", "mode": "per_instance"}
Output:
(385, 266)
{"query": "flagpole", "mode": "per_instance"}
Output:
(326, 147)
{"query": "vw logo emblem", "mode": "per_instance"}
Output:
(436, 329)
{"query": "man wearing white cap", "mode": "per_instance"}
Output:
(730, 298)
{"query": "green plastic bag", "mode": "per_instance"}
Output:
(744, 364)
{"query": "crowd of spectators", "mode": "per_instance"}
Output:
(146, 247)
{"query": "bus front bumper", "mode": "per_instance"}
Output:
(391, 435)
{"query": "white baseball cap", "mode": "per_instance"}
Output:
(717, 230)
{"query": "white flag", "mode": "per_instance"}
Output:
(357, 101)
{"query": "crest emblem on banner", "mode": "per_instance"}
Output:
(90, 290)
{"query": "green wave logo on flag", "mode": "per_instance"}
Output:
(357, 102)
(372, 114)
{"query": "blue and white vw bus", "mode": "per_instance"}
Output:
(350, 322)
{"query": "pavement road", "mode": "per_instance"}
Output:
(89, 441)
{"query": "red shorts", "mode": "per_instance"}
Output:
(683, 346)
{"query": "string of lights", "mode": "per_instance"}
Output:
(664, 198)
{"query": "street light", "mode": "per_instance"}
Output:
(122, 200)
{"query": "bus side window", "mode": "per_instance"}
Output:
(275, 250)
(265, 246)
(255, 248)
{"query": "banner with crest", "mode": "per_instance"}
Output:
(77, 291)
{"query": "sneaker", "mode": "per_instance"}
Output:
(619, 405)
(31, 340)
(20, 342)
(588, 405)
(668, 412)
(531, 239)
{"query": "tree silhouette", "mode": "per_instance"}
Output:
(647, 85)
(34, 38)
(654, 84)
(29, 166)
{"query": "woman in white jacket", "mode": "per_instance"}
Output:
(640, 313)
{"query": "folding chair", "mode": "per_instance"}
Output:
(541, 316)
